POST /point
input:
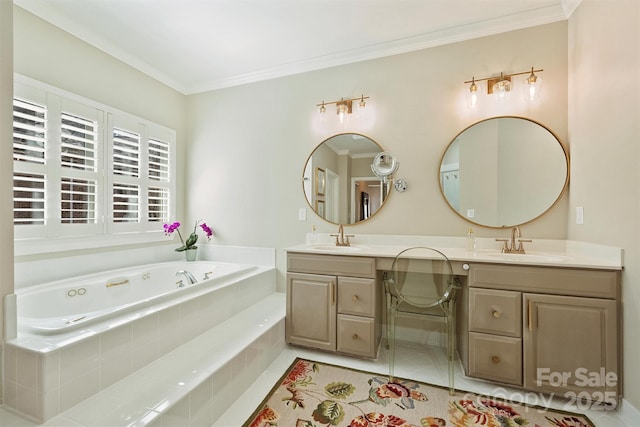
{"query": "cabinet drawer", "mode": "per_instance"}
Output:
(495, 312)
(331, 264)
(495, 358)
(356, 296)
(547, 280)
(356, 335)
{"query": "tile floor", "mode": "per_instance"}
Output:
(428, 365)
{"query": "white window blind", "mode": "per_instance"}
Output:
(28, 199)
(84, 169)
(29, 131)
(79, 142)
(126, 203)
(158, 204)
(78, 201)
(159, 160)
(126, 153)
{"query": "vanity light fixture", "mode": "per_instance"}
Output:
(503, 85)
(343, 106)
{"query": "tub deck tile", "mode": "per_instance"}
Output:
(161, 388)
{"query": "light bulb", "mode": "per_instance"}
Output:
(472, 94)
(533, 87)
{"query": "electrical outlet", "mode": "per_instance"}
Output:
(471, 213)
(579, 215)
(302, 214)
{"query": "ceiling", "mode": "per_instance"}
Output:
(199, 45)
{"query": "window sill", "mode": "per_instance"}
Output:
(24, 247)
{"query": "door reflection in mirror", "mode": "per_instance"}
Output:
(351, 191)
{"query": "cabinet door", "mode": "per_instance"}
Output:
(570, 346)
(311, 310)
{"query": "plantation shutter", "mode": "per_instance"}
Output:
(29, 159)
(79, 166)
(84, 169)
(158, 202)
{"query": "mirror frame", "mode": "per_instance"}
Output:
(304, 193)
(565, 186)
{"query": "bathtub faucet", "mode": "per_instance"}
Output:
(190, 277)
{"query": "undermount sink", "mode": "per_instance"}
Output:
(331, 247)
(527, 257)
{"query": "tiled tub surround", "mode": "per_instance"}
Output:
(48, 374)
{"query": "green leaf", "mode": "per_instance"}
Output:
(181, 248)
(329, 412)
(193, 238)
(339, 390)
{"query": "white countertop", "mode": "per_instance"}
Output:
(541, 252)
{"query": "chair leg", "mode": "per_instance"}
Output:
(391, 340)
(451, 346)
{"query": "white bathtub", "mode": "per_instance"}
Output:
(74, 338)
(120, 295)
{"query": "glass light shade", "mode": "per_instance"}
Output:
(472, 95)
(342, 110)
(532, 87)
(502, 90)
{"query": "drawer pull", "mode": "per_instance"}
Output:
(355, 336)
(355, 297)
(496, 314)
(495, 359)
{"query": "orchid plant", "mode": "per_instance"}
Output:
(190, 243)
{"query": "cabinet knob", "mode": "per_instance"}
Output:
(354, 336)
(465, 267)
(495, 359)
(355, 297)
(496, 314)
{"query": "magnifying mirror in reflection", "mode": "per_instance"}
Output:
(339, 183)
(384, 165)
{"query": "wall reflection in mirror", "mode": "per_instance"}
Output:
(504, 171)
(338, 181)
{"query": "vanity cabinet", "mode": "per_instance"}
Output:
(333, 303)
(553, 330)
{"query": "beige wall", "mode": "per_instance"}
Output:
(604, 131)
(261, 135)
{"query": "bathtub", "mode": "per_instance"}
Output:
(72, 339)
(117, 296)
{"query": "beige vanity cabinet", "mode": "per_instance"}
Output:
(333, 303)
(553, 330)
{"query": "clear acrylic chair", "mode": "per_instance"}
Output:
(421, 282)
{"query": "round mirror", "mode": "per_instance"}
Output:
(338, 181)
(504, 171)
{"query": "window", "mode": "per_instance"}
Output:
(85, 169)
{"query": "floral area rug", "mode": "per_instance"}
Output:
(313, 394)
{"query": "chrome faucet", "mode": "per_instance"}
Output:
(509, 246)
(340, 237)
(190, 277)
